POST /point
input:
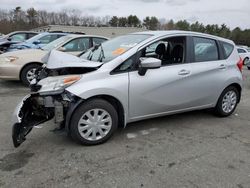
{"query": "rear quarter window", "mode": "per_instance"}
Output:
(228, 49)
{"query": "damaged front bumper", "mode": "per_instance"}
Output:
(36, 109)
(26, 116)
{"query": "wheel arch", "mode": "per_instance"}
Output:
(111, 99)
(238, 87)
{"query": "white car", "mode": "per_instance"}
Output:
(245, 55)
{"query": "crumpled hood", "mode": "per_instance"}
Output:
(56, 59)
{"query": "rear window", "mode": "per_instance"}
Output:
(228, 49)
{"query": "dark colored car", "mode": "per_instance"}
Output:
(14, 38)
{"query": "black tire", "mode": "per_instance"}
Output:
(245, 61)
(219, 110)
(85, 107)
(248, 68)
(26, 69)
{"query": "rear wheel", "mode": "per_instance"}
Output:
(227, 102)
(246, 61)
(28, 73)
(93, 122)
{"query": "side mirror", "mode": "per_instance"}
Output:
(36, 42)
(62, 49)
(148, 63)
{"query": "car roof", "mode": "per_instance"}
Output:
(14, 32)
(77, 35)
(156, 34)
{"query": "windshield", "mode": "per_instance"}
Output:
(56, 43)
(113, 48)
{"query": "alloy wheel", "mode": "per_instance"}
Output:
(31, 74)
(229, 101)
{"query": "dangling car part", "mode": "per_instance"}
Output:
(50, 102)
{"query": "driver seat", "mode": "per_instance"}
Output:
(160, 51)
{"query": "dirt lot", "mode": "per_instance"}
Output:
(193, 149)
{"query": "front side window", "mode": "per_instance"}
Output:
(45, 39)
(205, 50)
(115, 47)
(77, 45)
(169, 51)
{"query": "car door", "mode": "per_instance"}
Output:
(208, 69)
(164, 90)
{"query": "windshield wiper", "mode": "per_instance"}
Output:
(102, 56)
(91, 52)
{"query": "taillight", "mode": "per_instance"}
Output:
(240, 64)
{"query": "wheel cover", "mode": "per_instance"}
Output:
(31, 74)
(229, 101)
(95, 124)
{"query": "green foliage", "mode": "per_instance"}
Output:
(151, 23)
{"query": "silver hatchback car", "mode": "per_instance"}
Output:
(131, 78)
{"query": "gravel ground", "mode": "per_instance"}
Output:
(193, 149)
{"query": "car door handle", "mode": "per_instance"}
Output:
(222, 66)
(184, 72)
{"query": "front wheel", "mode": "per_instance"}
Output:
(93, 122)
(227, 102)
(29, 73)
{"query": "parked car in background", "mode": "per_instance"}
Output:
(244, 54)
(14, 38)
(132, 78)
(22, 64)
(37, 41)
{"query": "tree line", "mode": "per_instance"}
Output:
(19, 19)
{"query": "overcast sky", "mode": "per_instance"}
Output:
(231, 12)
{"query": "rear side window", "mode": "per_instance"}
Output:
(205, 49)
(241, 51)
(228, 49)
(97, 41)
(31, 35)
(77, 45)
